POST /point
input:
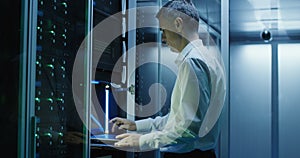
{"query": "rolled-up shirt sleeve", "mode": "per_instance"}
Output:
(150, 124)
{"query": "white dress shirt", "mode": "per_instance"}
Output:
(196, 103)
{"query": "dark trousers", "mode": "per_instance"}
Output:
(192, 154)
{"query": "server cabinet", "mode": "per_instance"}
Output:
(109, 64)
(61, 79)
(152, 94)
(50, 123)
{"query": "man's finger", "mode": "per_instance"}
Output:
(123, 127)
(78, 134)
(116, 120)
(113, 127)
(120, 144)
(113, 120)
(122, 136)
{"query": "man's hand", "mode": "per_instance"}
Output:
(74, 137)
(122, 123)
(128, 140)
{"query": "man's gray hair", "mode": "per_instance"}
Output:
(182, 8)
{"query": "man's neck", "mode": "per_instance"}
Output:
(185, 42)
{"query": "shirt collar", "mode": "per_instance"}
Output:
(186, 50)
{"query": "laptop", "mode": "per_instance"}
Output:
(109, 139)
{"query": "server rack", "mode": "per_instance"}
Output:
(57, 44)
(53, 32)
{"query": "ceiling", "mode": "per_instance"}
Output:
(248, 18)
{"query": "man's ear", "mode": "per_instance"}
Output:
(178, 24)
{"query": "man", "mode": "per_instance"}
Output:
(191, 127)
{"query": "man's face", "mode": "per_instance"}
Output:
(169, 36)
